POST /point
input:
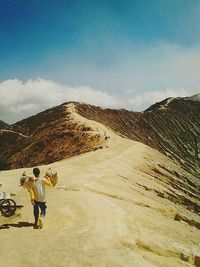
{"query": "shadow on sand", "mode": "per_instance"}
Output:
(18, 225)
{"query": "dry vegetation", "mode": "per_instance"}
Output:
(45, 138)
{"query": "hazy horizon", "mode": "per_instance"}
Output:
(120, 54)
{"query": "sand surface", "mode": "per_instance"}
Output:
(100, 214)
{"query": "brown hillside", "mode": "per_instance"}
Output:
(172, 127)
(46, 137)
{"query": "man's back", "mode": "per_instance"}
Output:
(39, 190)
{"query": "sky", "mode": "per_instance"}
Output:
(112, 53)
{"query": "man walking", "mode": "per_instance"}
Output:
(37, 194)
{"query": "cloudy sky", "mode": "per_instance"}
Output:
(113, 53)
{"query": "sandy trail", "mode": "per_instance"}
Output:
(98, 215)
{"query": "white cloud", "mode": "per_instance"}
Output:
(155, 96)
(22, 99)
(129, 90)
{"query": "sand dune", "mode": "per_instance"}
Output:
(105, 211)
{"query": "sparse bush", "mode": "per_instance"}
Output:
(87, 129)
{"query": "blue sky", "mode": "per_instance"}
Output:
(118, 47)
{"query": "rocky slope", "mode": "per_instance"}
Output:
(46, 137)
(171, 126)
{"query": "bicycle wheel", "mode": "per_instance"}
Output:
(8, 207)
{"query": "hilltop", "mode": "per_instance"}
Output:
(46, 137)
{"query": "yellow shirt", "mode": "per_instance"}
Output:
(37, 192)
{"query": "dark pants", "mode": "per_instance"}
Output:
(42, 206)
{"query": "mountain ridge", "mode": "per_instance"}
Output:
(54, 134)
(171, 126)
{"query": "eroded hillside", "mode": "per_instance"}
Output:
(171, 126)
(45, 138)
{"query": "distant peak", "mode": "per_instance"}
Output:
(72, 102)
(160, 105)
(193, 98)
(3, 124)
